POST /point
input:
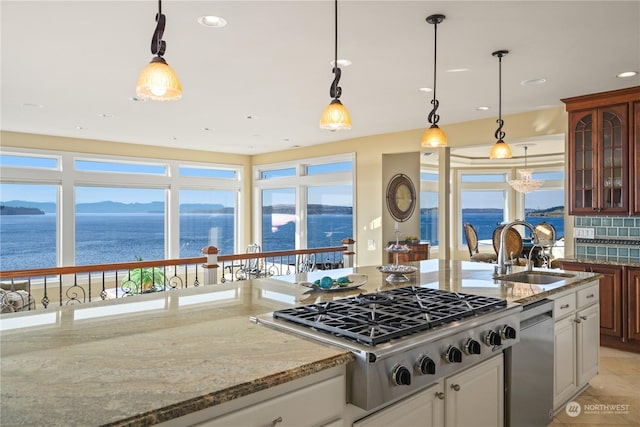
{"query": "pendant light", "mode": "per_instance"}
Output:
(157, 80)
(501, 149)
(335, 116)
(526, 183)
(434, 136)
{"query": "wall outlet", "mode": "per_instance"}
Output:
(584, 233)
(371, 245)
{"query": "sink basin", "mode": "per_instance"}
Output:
(535, 277)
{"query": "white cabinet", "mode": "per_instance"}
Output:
(474, 397)
(315, 400)
(576, 341)
(425, 409)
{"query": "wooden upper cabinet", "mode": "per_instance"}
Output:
(603, 133)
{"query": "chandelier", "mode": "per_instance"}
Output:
(526, 183)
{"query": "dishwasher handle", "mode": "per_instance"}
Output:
(535, 313)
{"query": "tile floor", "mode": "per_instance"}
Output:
(617, 383)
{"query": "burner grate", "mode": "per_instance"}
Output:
(380, 317)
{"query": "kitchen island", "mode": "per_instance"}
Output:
(156, 357)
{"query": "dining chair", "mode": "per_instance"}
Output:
(513, 244)
(472, 244)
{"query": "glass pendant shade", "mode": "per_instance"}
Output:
(526, 183)
(158, 82)
(500, 150)
(434, 137)
(335, 117)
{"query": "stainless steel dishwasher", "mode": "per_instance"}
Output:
(529, 369)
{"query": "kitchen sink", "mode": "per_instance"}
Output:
(536, 277)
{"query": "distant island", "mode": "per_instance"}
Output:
(19, 210)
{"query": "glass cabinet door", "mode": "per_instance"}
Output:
(583, 168)
(614, 164)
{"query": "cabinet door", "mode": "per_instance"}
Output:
(475, 397)
(582, 163)
(588, 344)
(425, 408)
(611, 295)
(613, 159)
(564, 360)
(633, 295)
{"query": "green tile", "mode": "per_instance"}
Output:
(623, 251)
(628, 222)
(581, 250)
(634, 252)
(606, 222)
(579, 222)
(623, 231)
(612, 231)
(617, 222)
(634, 231)
(596, 222)
(601, 231)
(600, 250)
(612, 251)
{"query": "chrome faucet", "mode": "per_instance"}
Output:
(501, 268)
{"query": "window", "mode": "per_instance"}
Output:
(119, 225)
(28, 226)
(207, 218)
(309, 205)
(278, 219)
(121, 208)
(429, 207)
(483, 201)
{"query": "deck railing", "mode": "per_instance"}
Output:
(30, 289)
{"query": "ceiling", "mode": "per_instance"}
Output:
(69, 68)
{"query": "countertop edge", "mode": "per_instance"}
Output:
(587, 260)
(573, 284)
(240, 390)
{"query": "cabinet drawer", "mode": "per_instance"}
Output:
(564, 305)
(314, 405)
(588, 296)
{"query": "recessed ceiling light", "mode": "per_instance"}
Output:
(457, 70)
(627, 74)
(211, 21)
(105, 115)
(482, 108)
(342, 63)
(425, 89)
(207, 129)
(530, 82)
(80, 128)
(136, 99)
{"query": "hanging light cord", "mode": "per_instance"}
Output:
(525, 156)
(499, 135)
(336, 90)
(433, 117)
(158, 46)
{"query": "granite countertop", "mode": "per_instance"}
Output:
(141, 360)
(599, 259)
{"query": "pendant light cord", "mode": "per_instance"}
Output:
(335, 90)
(435, 20)
(499, 135)
(158, 46)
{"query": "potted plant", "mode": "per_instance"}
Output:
(412, 240)
(143, 280)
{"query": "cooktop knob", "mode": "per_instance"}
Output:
(453, 355)
(492, 339)
(472, 346)
(401, 375)
(426, 365)
(508, 333)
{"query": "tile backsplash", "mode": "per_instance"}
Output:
(615, 238)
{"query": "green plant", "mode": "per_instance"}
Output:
(412, 238)
(143, 280)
